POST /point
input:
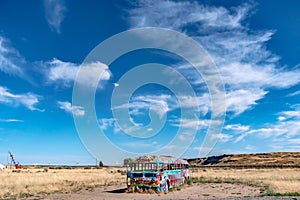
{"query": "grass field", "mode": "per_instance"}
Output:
(274, 180)
(33, 182)
(40, 182)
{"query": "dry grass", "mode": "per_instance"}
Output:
(33, 182)
(276, 180)
(40, 182)
(262, 159)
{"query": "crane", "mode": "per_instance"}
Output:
(17, 165)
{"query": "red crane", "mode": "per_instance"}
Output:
(17, 165)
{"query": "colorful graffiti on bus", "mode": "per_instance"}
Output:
(158, 173)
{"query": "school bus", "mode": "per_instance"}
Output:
(158, 173)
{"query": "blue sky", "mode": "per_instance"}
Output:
(254, 45)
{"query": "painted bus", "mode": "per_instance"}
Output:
(158, 173)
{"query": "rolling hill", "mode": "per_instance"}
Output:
(284, 159)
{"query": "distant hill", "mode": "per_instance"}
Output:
(255, 160)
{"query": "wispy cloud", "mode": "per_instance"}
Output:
(285, 130)
(158, 103)
(139, 105)
(266, 132)
(293, 94)
(142, 144)
(164, 103)
(75, 110)
(289, 114)
(243, 99)
(285, 144)
(237, 127)
(65, 73)
(11, 120)
(187, 123)
(250, 148)
(29, 100)
(184, 13)
(10, 59)
(55, 11)
(222, 137)
(107, 123)
(248, 69)
(60, 71)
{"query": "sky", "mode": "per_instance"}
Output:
(45, 53)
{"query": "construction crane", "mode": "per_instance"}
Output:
(17, 165)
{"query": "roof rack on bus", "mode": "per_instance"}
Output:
(157, 163)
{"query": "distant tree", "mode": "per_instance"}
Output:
(127, 161)
(101, 164)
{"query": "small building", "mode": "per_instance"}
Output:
(2, 167)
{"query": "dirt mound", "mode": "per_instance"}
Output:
(262, 159)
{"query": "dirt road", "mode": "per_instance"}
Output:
(203, 191)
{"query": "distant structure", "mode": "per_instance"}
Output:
(16, 164)
(2, 167)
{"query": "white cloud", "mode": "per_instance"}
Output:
(250, 148)
(281, 118)
(240, 100)
(182, 14)
(248, 69)
(241, 137)
(221, 137)
(285, 130)
(264, 133)
(287, 127)
(158, 103)
(138, 105)
(237, 127)
(289, 114)
(75, 110)
(238, 74)
(29, 100)
(189, 123)
(105, 123)
(9, 59)
(93, 71)
(60, 70)
(285, 144)
(10, 120)
(202, 100)
(142, 144)
(66, 72)
(55, 13)
(294, 94)
(163, 103)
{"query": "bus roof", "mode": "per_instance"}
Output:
(160, 160)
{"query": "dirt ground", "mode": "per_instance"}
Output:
(197, 191)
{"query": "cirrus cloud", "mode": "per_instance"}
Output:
(55, 13)
(249, 70)
(10, 59)
(28, 100)
(65, 73)
(75, 110)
